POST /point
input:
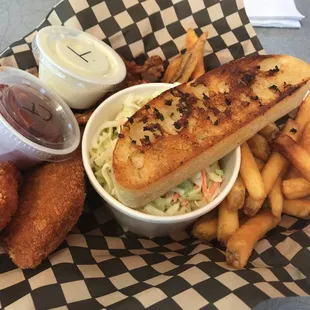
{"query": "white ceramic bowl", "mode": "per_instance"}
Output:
(135, 221)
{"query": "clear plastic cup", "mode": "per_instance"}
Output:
(35, 123)
(78, 66)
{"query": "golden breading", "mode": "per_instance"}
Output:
(51, 203)
(9, 179)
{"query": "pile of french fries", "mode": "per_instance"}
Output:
(190, 65)
(275, 168)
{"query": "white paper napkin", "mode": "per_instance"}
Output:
(273, 13)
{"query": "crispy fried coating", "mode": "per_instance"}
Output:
(83, 117)
(51, 203)
(9, 179)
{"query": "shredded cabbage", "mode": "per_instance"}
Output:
(190, 195)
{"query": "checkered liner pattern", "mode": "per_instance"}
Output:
(99, 265)
(140, 28)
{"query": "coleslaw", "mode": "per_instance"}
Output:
(188, 196)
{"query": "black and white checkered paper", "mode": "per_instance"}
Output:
(99, 266)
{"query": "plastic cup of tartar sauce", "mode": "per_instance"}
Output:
(35, 123)
(78, 66)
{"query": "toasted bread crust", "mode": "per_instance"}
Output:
(191, 119)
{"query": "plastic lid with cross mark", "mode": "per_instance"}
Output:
(78, 55)
(34, 120)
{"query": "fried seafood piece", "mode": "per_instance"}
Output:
(83, 117)
(9, 180)
(150, 71)
(151, 64)
(50, 204)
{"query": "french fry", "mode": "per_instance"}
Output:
(243, 219)
(242, 242)
(293, 173)
(276, 198)
(236, 196)
(303, 115)
(199, 69)
(272, 169)
(296, 188)
(293, 113)
(276, 162)
(260, 163)
(260, 147)
(269, 130)
(172, 69)
(305, 143)
(184, 61)
(297, 207)
(250, 174)
(305, 138)
(275, 165)
(191, 39)
(297, 155)
(205, 228)
(302, 118)
(228, 222)
(189, 61)
(252, 206)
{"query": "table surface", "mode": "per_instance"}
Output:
(295, 42)
(19, 17)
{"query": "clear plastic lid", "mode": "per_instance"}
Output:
(76, 54)
(38, 116)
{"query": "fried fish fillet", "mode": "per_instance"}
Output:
(9, 179)
(50, 204)
(190, 126)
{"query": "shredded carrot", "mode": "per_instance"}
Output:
(184, 203)
(176, 196)
(214, 188)
(204, 186)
